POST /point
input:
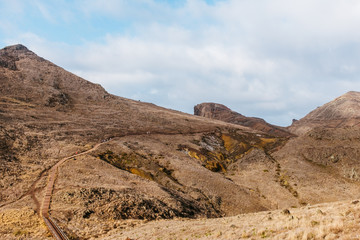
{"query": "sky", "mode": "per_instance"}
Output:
(274, 59)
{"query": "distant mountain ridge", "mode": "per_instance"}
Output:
(344, 111)
(223, 113)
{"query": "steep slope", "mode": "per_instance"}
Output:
(328, 137)
(223, 113)
(33, 80)
(343, 111)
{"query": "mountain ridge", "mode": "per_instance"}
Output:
(223, 113)
(343, 111)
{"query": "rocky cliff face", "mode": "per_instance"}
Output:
(223, 113)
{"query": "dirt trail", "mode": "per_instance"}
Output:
(52, 177)
(45, 207)
(32, 190)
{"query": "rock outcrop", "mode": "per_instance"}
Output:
(223, 113)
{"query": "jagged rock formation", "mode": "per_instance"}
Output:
(223, 113)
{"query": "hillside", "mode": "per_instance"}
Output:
(319, 165)
(152, 163)
(339, 220)
(343, 111)
(158, 164)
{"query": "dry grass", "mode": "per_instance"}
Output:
(326, 221)
(8, 100)
(22, 223)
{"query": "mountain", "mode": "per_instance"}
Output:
(328, 137)
(325, 148)
(223, 113)
(158, 164)
(149, 162)
(343, 111)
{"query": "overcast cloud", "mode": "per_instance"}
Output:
(275, 59)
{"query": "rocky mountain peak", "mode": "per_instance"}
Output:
(26, 75)
(341, 112)
(11, 54)
(16, 47)
(351, 94)
(346, 106)
(18, 51)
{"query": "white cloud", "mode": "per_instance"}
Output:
(275, 59)
(42, 8)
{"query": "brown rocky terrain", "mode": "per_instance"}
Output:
(158, 163)
(329, 148)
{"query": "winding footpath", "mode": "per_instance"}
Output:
(45, 207)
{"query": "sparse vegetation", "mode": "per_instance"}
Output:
(305, 224)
